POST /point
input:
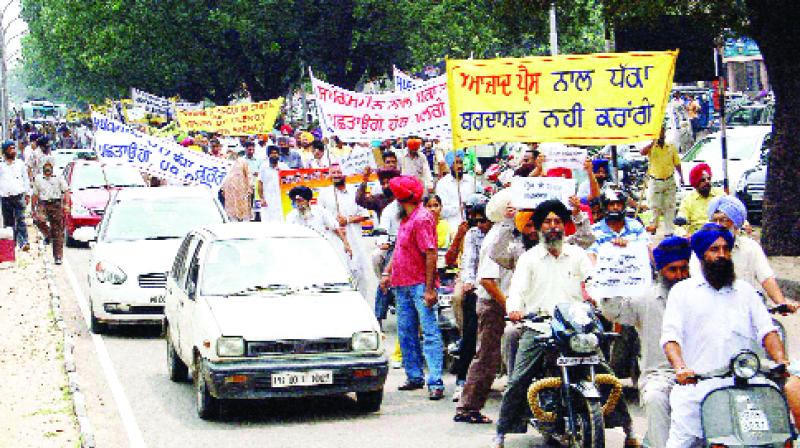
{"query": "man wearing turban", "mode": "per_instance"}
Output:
(454, 188)
(709, 319)
(694, 206)
(414, 163)
(646, 313)
(317, 219)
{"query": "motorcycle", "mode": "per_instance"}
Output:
(746, 413)
(567, 402)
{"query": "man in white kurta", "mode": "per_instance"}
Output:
(708, 320)
(269, 187)
(454, 189)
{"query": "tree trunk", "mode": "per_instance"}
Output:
(774, 26)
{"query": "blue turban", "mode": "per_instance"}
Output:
(597, 163)
(671, 250)
(450, 157)
(705, 237)
(731, 206)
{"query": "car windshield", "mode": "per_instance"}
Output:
(88, 176)
(250, 266)
(123, 176)
(155, 219)
(741, 147)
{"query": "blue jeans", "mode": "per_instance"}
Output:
(14, 216)
(412, 313)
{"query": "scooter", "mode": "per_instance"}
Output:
(746, 413)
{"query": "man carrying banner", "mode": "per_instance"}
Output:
(269, 186)
(453, 188)
(663, 162)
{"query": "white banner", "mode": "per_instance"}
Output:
(358, 117)
(403, 81)
(185, 105)
(529, 192)
(114, 141)
(151, 103)
(358, 159)
(558, 155)
(621, 271)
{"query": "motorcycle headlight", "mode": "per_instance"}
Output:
(745, 365)
(366, 341)
(584, 343)
(230, 346)
(108, 272)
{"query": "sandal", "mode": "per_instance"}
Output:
(471, 417)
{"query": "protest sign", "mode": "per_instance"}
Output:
(151, 103)
(239, 119)
(529, 192)
(590, 99)
(360, 117)
(184, 105)
(621, 271)
(114, 141)
(557, 155)
(358, 159)
(316, 179)
(403, 81)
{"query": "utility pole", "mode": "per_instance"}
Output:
(553, 29)
(4, 70)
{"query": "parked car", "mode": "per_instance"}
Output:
(751, 115)
(260, 312)
(62, 157)
(750, 190)
(136, 243)
(746, 145)
(91, 184)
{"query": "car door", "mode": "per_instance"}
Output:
(173, 290)
(188, 297)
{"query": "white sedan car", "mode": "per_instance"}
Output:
(260, 311)
(136, 243)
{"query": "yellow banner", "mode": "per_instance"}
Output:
(240, 119)
(593, 99)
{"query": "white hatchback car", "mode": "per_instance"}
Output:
(136, 243)
(259, 311)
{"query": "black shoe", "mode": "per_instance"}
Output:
(436, 394)
(47, 241)
(409, 385)
(58, 261)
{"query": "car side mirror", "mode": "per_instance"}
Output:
(85, 234)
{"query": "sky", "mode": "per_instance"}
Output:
(14, 27)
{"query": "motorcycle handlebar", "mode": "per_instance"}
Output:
(781, 309)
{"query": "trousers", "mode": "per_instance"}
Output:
(655, 388)
(469, 334)
(661, 199)
(50, 222)
(484, 366)
(413, 313)
(13, 208)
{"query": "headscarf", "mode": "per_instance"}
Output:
(521, 219)
(597, 163)
(544, 209)
(671, 250)
(496, 207)
(406, 189)
(705, 237)
(414, 144)
(450, 157)
(301, 191)
(731, 206)
(697, 173)
(560, 172)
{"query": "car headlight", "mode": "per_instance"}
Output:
(230, 346)
(584, 343)
(745, 365)
(107, 272)
(366, 341)
(77, 209)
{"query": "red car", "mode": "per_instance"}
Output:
(91, 183)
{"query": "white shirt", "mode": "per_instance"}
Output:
(49, 188)
(389, 219)
(347, 207)
(317, 163)
(13, 178)
(417, 167)
(749, 263)
(271, 210)
(488, 268)
(317, 219)
(710, 325)
(541, 281)
(452, 203)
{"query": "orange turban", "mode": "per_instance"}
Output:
(521, 219)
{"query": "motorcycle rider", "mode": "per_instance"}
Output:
(645, 313)
(708, 319)
(548, 274)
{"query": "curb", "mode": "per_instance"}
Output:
(86, 432)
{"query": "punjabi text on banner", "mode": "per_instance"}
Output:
(621, 271)
(529, 192)
(240, 119)
(591, 99)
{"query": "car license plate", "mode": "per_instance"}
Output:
(753, 420)
(566, 361)
(157, 299)
(294, 379)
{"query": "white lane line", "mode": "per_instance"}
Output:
(125, 412)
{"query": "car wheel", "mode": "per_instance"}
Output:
(369, 401)
(207, 406)
(178, 372)
(95, 325)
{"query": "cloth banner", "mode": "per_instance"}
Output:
(403, 81)
(114, 141)
(151, 103)
(529, 192)
(185, 105)
(240, 119)
(593, 99)
(557, 155)
(357, 159)
(316, 179)
(621, 271)
(359, 117)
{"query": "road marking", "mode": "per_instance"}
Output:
(123, 405)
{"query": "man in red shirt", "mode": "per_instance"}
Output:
(412, 274)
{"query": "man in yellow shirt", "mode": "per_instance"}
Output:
(663, 162)
(694, 206)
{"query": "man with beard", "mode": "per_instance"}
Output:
(550, 273)
(291, 158)
(694, 206)
(708, 320)
(663, 161)
(15, 190)
(341, 203)
(269, 186)
(453, 188)
(615, 227)
(412, 274)
(317, 219)
(645, 313)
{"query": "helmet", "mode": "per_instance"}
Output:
(610, 196)
(476, 202)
